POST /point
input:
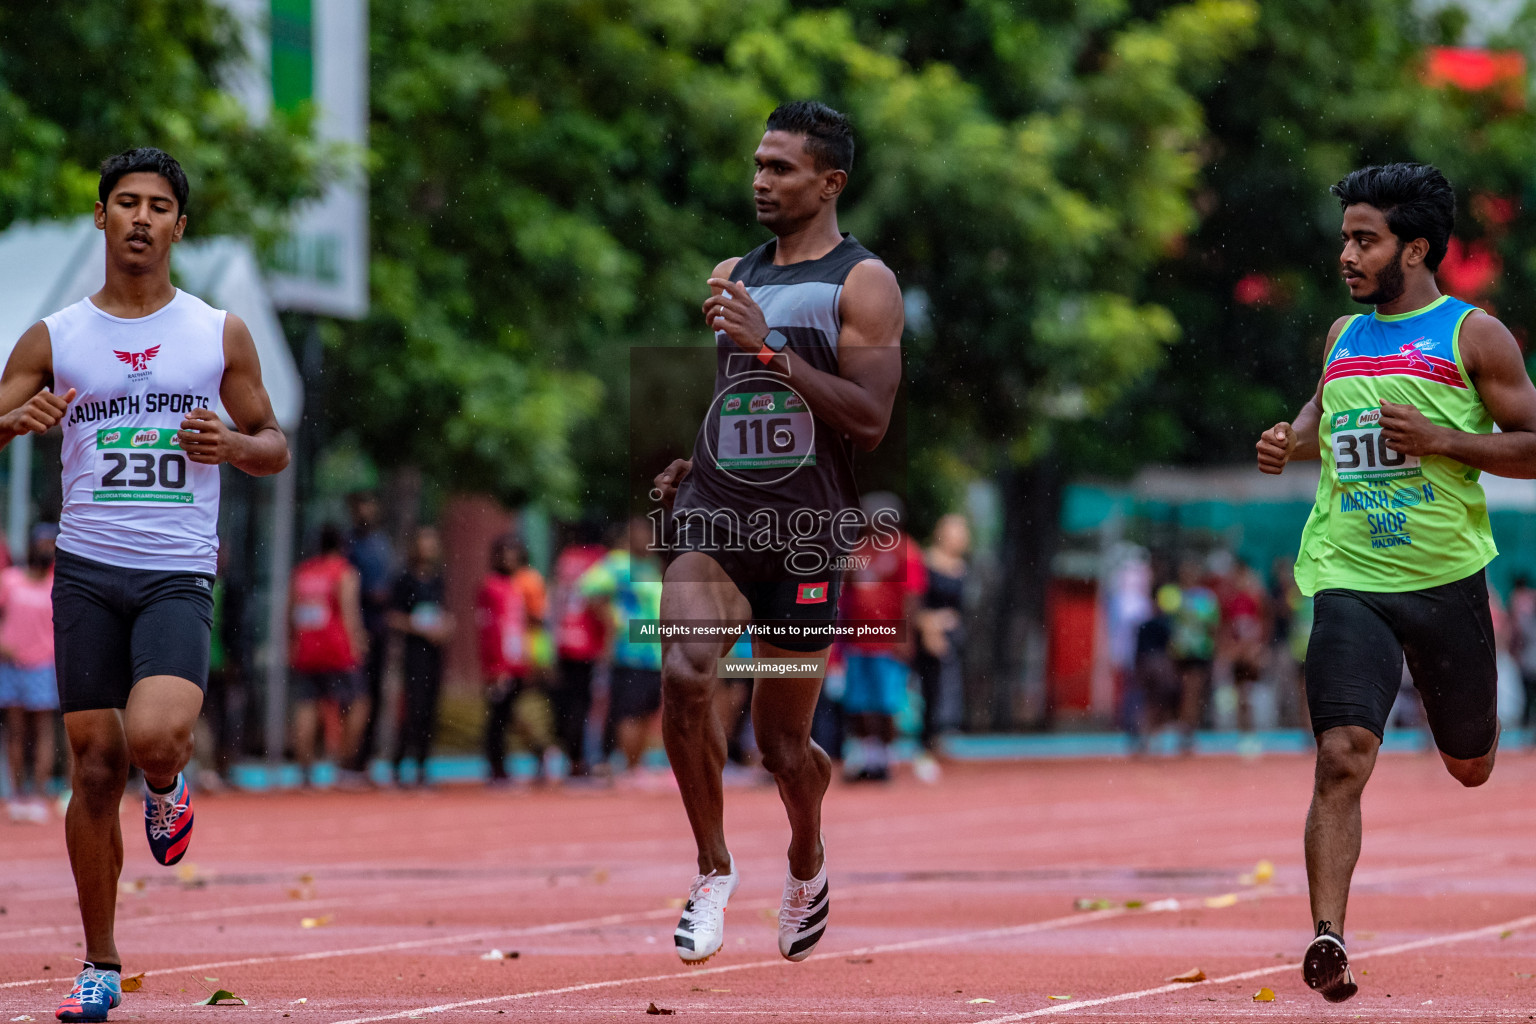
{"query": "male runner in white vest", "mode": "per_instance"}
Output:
(132, 374)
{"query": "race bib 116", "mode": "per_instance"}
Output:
(764, 430)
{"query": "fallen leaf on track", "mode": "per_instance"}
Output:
(1190, 976)
(133, 982)
(223, 997)
(1264, 995)
(653, 1008)
(315, 922)
(1263, 872)
(973, 1002)
(306, 879)
(22, 1017)
(497, 954)
(1086, 903)
(1134, 904)
(600, 876)
(1061, 998)
(299, 1002)
(1225, 900)
(861, 960)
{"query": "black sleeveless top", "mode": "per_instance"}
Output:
(759, 447)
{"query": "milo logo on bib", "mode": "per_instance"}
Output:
(145, 438)
(1360, 454)
(761, 403)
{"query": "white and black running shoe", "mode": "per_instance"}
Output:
(701, 931)
(803, 914)
(1326, 965)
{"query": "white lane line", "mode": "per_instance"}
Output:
(1402, 947)
(392, 947)
(1171, 906)
(699, 972)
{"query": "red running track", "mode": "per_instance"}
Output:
(951, 903)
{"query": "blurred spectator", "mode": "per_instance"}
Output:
(1156, 690)
(417, 613)
(326, 645)
(216, 736)
(1243, 637)
(1522, 615)
(941, 638)
(29, 692)
(369, 551)
(510, 614)
(1193, 647)
(579, 643)
(1289, 611)
(627, 582)
(886, 589)
(1510, 696)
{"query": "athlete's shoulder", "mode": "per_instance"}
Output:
(195, 302)
(74, 313)
(1484, 338)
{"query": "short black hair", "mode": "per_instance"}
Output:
(331, 539)
(828, 134)
(1416, 200)
(145, 158)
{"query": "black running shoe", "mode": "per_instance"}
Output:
(1326, 965)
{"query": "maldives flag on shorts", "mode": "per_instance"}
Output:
(811, 593)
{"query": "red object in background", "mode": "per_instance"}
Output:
(1478, 70)
(1469, 269)
(1071, 617)
(1254, 290)
(1493, 211)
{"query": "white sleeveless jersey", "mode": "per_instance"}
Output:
(131, 497)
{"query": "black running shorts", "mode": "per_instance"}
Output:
(114, 626)
(778, 594)
(1360, 640)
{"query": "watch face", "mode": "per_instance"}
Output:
(776, 341)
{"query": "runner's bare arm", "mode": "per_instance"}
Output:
(1296, 441)
(1492, 360)
(29, 407)
(857, 400)
(351, 598)
(257, 446)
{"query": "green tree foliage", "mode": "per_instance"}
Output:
(83, 79)
(554, 180)
(1255, 286)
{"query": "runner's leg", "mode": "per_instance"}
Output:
(1449, 646)
(92, 826)
(695, 588)
(782, 712)
(158, 724)
(1346, 755)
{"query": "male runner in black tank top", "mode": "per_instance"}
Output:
(808, 329)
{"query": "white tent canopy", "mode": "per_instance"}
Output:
(47, 266)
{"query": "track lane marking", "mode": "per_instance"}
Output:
(1051, 924)
(1260, 972)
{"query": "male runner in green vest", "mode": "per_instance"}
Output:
(1395, 547)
